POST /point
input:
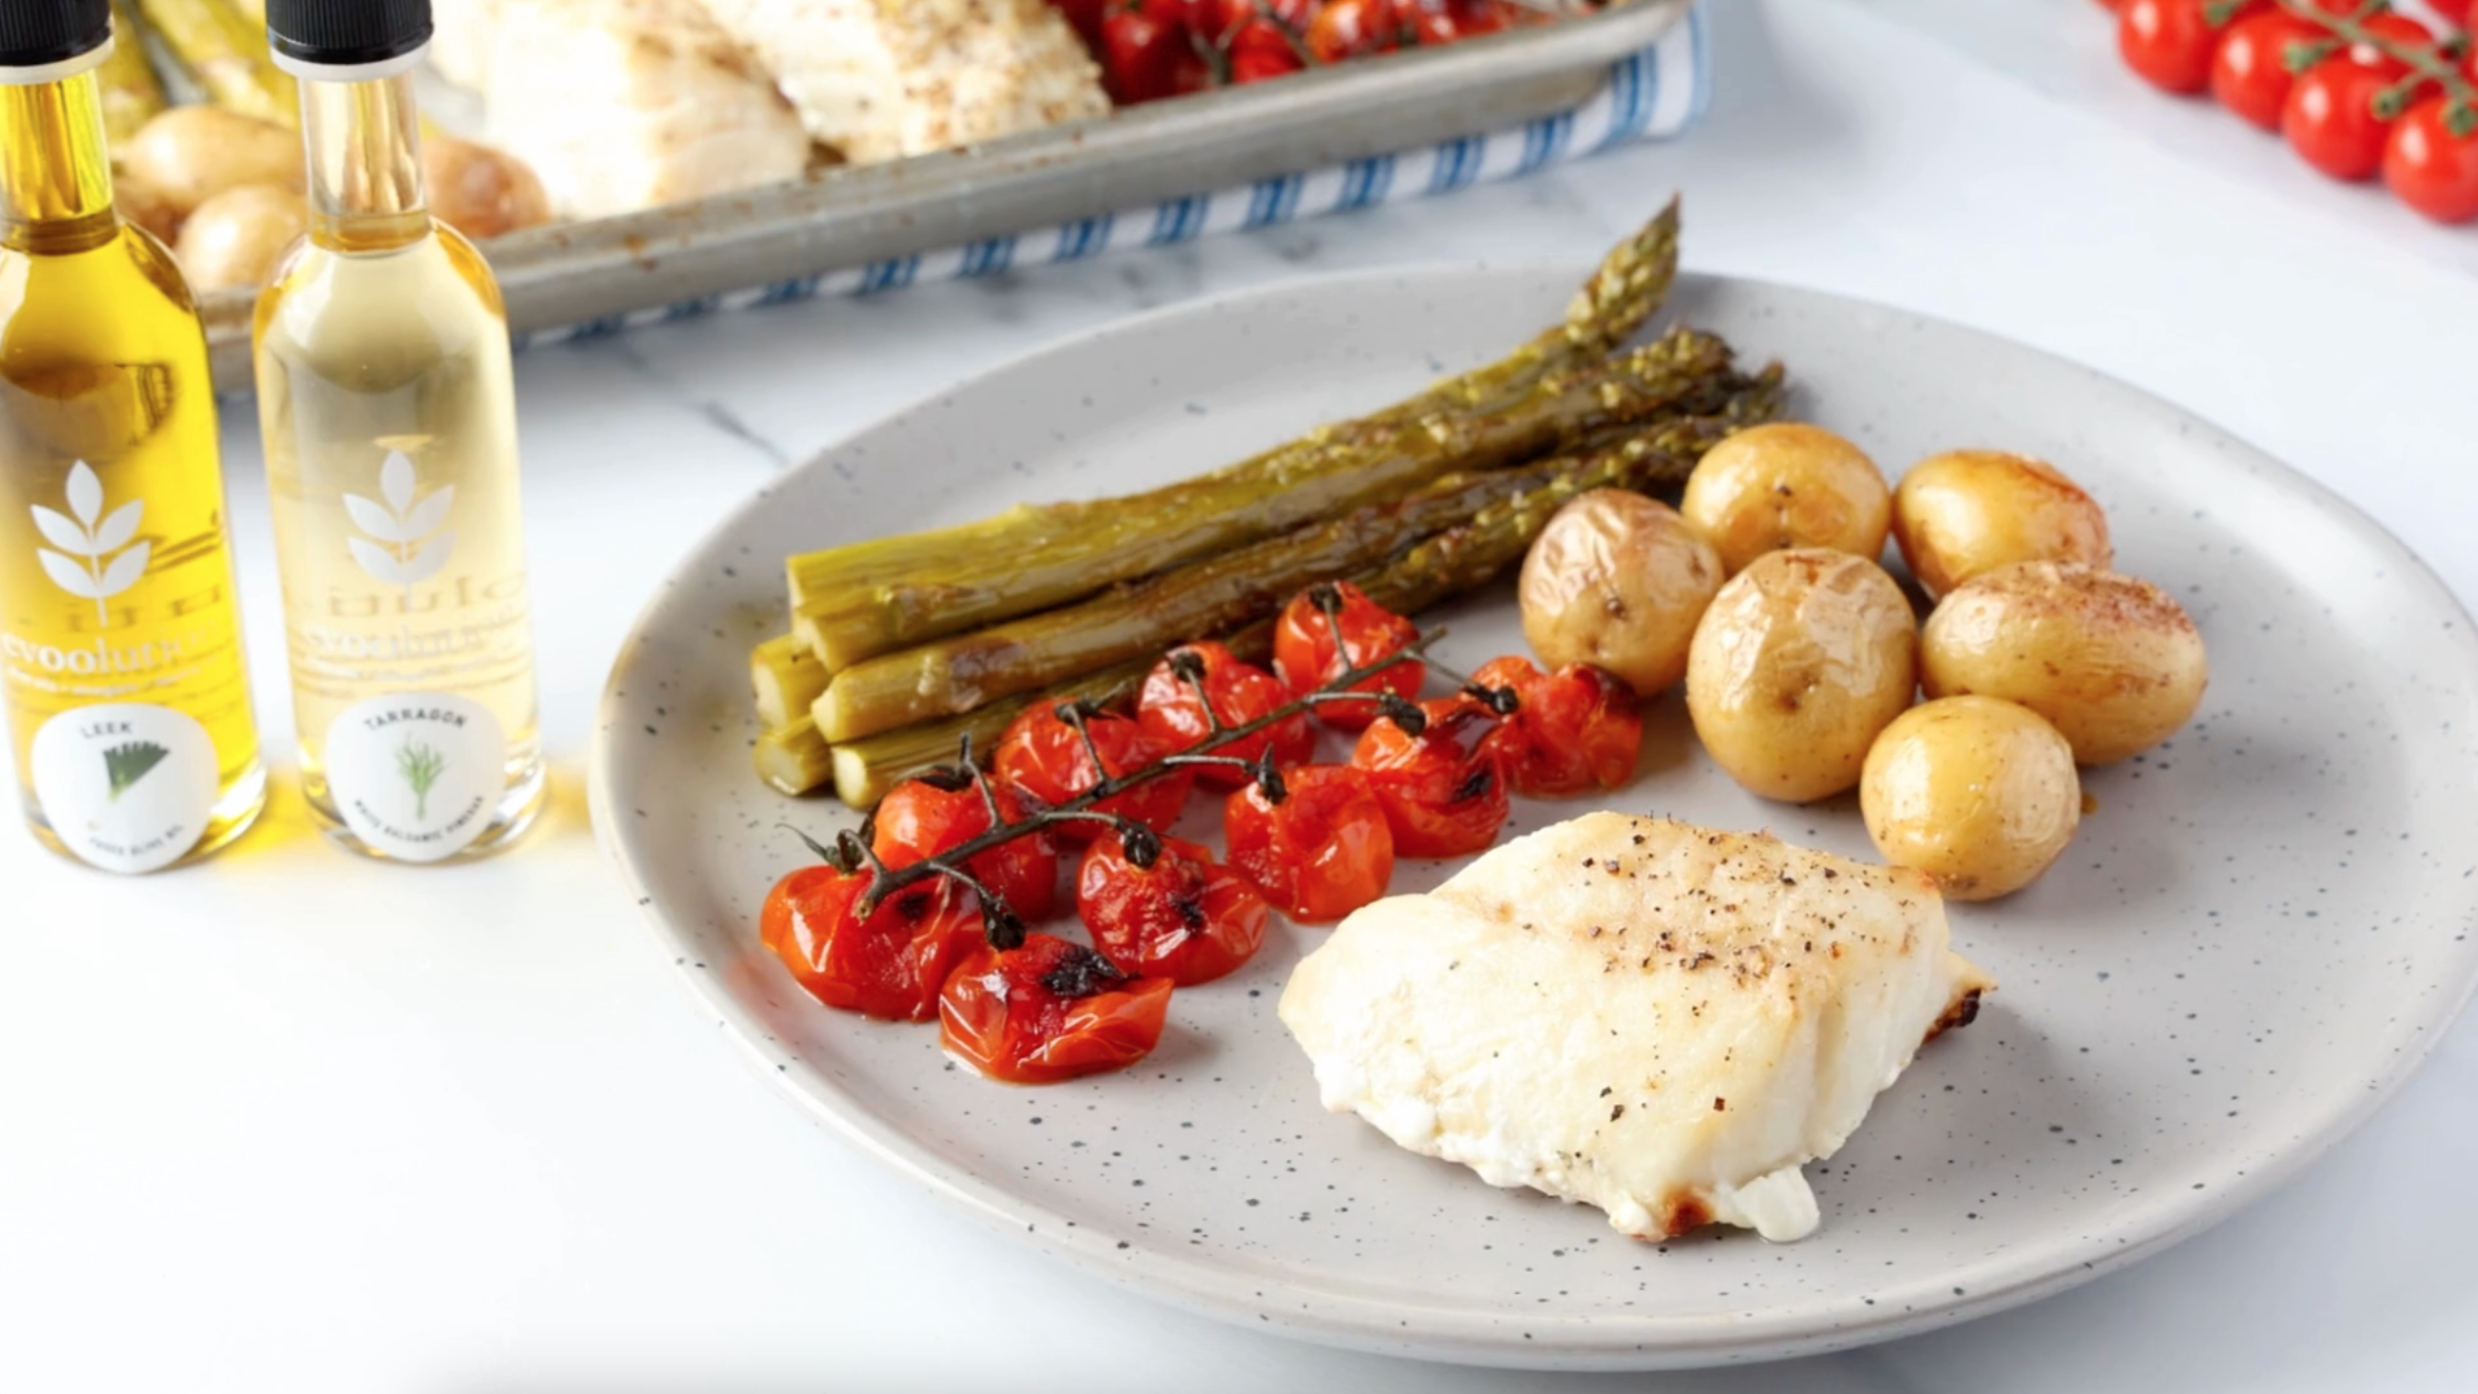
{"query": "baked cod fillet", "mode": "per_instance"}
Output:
(1657, 1019)
(624, 104)
(880, 79)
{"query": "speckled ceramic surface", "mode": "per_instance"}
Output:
(2252, 941)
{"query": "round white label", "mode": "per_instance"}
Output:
(128, 787)
(416, 775)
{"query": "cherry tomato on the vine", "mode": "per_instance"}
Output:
(1261, 50)
(1181, 917)
(1320, 852)
(1143, 59)
(2430, 168)
(2402, 31)
(1346, 29)
(889, 965)
(1048, 1011)
(2330, 119)
(923, 817)
(1043, 759)
(1304, 652)
(2250, 73)
(2169, 42)
(1172, 709)
(1574, 730)
(1443, 790)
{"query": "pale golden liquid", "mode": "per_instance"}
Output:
(360, 354)
(102, 361)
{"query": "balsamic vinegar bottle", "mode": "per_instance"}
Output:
(120, 637)
(387, 405)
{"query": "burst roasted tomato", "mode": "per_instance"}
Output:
(1306, 654)
(1048, 1011)
(1443, 790)
(2250, 73)
(1172, 709)
(889, 965)
(2331, 122)
(1043, 759)
(1164, 908)
(1319, 851)
(1572, 731)
(923, 817)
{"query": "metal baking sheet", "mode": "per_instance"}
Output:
(570, 273)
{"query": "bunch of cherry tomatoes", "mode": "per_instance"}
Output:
(2356, 88)
(1150, 49)
(1314, 841)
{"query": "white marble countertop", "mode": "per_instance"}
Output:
(292, 1122)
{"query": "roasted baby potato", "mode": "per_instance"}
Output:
(2115, 664)
(1966, 512)
(1787, 485)
(236, 237)
(189, 154)
(1803, 658)
(1978, 793)
(1618, 580)
(480, 191)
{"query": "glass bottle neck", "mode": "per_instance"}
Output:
(55, 169)
(365, 168)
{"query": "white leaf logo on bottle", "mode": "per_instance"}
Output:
(91, 563)
(409, 540)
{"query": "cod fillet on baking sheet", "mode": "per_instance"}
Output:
(1661, 1020)
(881, 79)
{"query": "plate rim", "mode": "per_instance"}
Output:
(1635, 1342)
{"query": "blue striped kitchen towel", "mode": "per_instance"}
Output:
(1656, 94)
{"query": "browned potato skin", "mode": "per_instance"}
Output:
(1978, 793)
(1618, 580)
(189, 154)
(1967, 512)
(480, 191)
(141, 205)
(2114, 663)
(236, 237)
(1803, 658)
(1788, 485)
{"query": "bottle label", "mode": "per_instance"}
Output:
(417, 775)
(128, 787)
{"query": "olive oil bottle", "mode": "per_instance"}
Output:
(120, 637)
(387, 405)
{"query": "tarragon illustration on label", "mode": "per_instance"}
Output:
(421, 767)
(91, 563)
(409, 540)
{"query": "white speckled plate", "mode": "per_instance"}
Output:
(2254, 940)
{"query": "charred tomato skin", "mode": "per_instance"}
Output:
(1305, 654)
(1324, 850)
(1044, 762)
(1572, 731)
(1184, 918)
(889, 965)
(1173, 712)
(922, 818)
(1443, 790)
(1049, 1010)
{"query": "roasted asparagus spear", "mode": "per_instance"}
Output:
(868, 598)
(131, 92)
(228, 55)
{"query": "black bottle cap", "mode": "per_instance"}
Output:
(34, 33)
(347, 33)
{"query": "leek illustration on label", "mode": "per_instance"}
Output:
(125, 765)
(91, 563)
